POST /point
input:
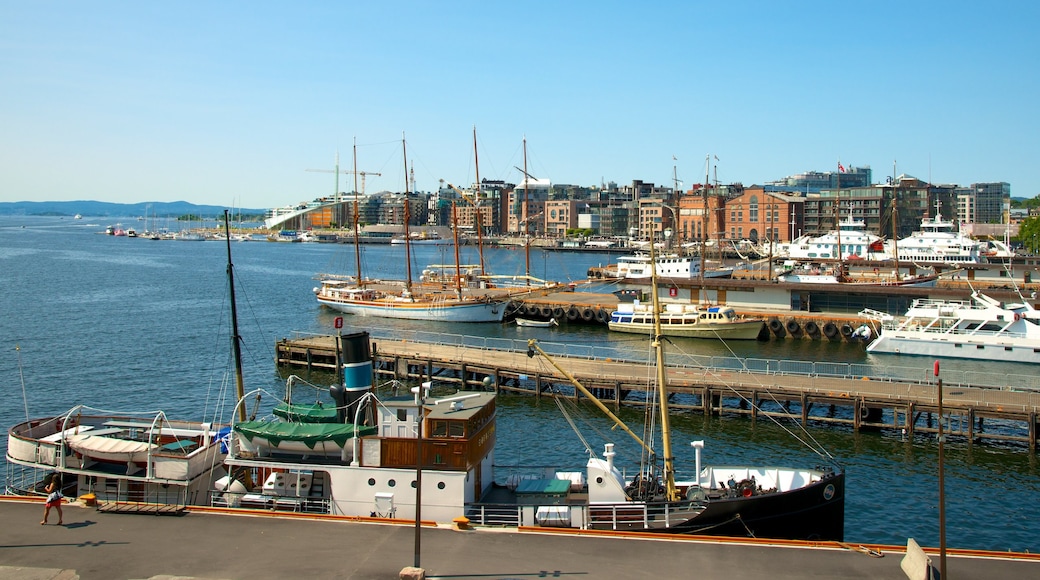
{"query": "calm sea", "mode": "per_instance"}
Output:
(135, 324)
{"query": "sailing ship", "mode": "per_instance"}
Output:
(391, 299)
(792, 272)
(763, 502)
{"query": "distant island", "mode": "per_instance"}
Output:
(151, 209)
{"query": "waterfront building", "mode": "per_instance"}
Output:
(992, 201)
(760, 215)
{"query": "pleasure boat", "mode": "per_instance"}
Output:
(688, 320)
(981, 328)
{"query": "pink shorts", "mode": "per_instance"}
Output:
(54, 503)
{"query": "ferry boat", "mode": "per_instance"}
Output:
(638, 267)
(981, 328)
(938, 241)
(856, 243)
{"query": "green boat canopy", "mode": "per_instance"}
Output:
(310, 434)
(304, 413)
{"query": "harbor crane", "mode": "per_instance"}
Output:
(339, 171)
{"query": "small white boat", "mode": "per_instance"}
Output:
(537, 323)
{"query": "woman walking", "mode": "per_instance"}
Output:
(54, 498)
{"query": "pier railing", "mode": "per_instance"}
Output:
(709, 363)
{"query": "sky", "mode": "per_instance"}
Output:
(231, 103)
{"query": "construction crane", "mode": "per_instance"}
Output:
(338, 171)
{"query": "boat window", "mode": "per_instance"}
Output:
(402, 414)
(440, 429)
(456, 429)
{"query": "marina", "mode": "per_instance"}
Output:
(275, 293)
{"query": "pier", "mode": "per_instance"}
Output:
(830, 393)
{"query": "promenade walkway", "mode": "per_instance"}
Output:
(102, 546)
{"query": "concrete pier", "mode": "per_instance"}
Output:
(258, 545)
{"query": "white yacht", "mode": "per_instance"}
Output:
(980, 328)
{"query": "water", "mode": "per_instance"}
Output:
(135, 324)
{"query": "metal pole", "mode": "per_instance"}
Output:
(419, 398)
(942, 489)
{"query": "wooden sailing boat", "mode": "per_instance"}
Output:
(763, 502)
(404, 299)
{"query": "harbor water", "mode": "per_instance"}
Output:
(128, 324)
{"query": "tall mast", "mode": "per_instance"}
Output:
(837, 222)
(357, 245)
(527, 224)
(705, 218)
(236, 340)
(407, 218)
(476, 206)
(895, 233)
(455, 231)
(671, 493)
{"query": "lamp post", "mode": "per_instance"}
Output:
(942, 486)
(420, 398)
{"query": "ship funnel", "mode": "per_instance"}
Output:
(356, 362)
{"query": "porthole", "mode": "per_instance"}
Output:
(413, 484)
(599, 480)
(371, 481)
(391, 483)
(440, 485)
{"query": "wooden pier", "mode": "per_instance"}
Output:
(858, 402)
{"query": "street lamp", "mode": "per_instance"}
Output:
(420, 398)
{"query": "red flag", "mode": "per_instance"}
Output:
(841, 168)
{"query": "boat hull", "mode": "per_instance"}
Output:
(950, 346)
(813, 512)
(742, 330)
(476, 311)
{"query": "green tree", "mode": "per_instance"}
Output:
(1029, 234)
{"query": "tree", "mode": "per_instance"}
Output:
(1029, 234)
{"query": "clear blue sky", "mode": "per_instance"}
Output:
(229, 103)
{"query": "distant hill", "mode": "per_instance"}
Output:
(159, 209)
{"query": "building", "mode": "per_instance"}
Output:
(758, 215)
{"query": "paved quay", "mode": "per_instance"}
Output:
(94, 545)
